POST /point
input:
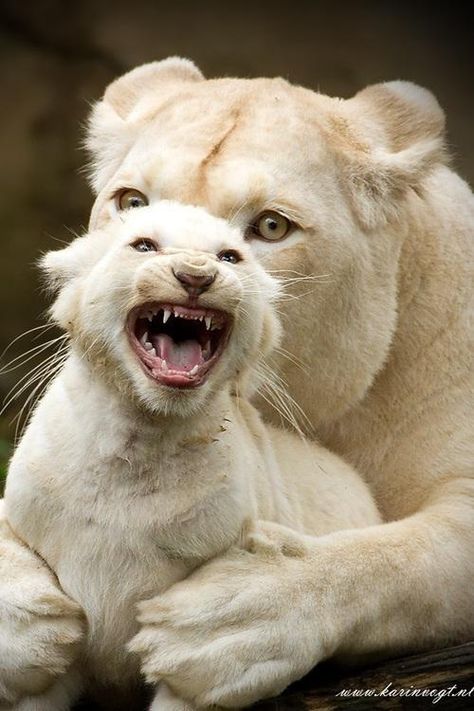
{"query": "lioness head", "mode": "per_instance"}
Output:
(317, 186)
(168, 303)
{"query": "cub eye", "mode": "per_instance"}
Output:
(144, 245)
(229, 255)
(271, 226)
(129, 199)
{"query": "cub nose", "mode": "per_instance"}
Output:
(195, 284)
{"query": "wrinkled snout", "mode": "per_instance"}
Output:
(195, 274)
(194, 284)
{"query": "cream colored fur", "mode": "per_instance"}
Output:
(385, 335)
(124, 486)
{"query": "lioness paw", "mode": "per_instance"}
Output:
(238, 629)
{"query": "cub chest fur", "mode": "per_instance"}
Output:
(124, 518)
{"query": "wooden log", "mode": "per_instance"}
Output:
(447, 673)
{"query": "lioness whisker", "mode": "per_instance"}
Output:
(296, 361)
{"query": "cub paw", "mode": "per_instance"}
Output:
(40, 628)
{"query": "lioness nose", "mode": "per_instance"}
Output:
(195, 284)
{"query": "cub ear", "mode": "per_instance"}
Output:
(114, 120)
(61, 266)
(404, 125)
(57, 267)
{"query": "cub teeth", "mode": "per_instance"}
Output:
(194, 370)
(145, 342)
(213, 322)
(206, 351)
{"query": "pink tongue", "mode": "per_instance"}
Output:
(179, 356)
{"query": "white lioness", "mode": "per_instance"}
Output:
(359, 191)
(143, 460)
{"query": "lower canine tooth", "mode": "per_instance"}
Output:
(164, 366)
(148, 346)
(153, 352)
(194, 370)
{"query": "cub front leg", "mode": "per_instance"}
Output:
(40, 628)
(59, 697)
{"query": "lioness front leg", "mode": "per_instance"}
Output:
(247, 624)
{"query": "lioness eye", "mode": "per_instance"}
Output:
(229, 255)
(271, 226)
(144, 245)
(129, 198)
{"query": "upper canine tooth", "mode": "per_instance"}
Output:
(208, 321)
(144, 338)
(150, 316)
(166, 315)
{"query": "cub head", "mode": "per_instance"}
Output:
(167, 304)
(317, 186)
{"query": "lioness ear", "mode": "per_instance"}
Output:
(129, 90)
(409, 113)
(115, 119)
(406, 126)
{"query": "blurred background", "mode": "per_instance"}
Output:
(58, 56)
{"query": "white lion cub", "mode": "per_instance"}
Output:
(144, 458)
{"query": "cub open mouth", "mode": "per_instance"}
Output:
(178, 345)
